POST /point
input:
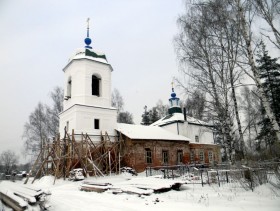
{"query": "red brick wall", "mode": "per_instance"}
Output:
(206, 148)
(135, 157)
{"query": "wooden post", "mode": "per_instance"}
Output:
(119, 162)
(227, 176)
(32, 169)
(110, 162)
(218, 178)
(201, 178)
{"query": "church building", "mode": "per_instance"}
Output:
(172, 140)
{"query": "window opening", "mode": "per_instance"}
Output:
(95, 86)
(69, 89)
(96, 124)
(179, 156)
(210, 156)
(165, 156)
(192, 155)
(148, 155)
(201, 156)
(196, 139)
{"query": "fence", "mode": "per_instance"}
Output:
(248, 177)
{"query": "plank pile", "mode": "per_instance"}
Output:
(135, 186)
(21, 197)
(95, 187)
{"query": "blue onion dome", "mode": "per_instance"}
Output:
(173, 94)
(87, 41)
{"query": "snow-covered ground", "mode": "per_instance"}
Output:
(66, 196)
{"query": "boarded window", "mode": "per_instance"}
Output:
(196, 139)
(96, 124)
(165, 156)
(95, 86)
(148, 152)
(179, 156)
(210, 156)
(201, 156)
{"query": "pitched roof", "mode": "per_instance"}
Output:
(148, 132)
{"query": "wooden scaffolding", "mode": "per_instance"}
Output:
(61, 156)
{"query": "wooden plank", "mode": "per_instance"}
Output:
(13, 201)
(25, 197)
(94, 188)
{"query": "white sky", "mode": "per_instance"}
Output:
(37, 38)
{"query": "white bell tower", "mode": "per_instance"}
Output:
(87, 94)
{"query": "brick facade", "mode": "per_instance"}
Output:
(163, 152)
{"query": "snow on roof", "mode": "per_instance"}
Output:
(175, 117)
(169, 119)
(81, 54)
(148, 132)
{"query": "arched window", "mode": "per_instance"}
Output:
(69, 88)
(95, 86)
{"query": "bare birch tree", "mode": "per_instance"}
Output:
(200, 44)
(36, 129)
(43, 123)
(241, 9)
(251, 107)
(52, 112)
(269, 10)
(117, 100)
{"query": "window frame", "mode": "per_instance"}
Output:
(201, 155)
(212, 156)
(165, 156)
(148, 156)
(196, 139)
(180, 156)
(192, 155)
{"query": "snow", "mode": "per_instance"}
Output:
(179, 117)
(66, 195)
(148, 132)
(80, 54)
(5, 190)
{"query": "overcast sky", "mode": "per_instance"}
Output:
(38, 37)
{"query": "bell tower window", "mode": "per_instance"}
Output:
(69, 88)
(95, 86)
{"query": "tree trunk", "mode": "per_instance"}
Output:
(241, 138)
(244, 31)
